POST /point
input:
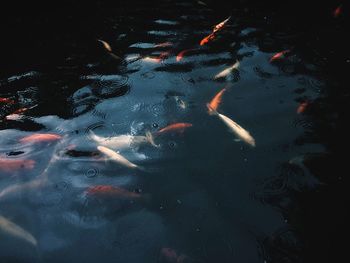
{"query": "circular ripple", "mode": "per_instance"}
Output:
(111, 86)
(92, 172)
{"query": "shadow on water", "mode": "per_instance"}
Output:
(116, 76)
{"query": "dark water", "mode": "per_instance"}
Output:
(202, 196)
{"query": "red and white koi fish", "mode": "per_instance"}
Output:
(215, 102)
(207, 39)
(181, 55)
(221, 25)
(240, 132)
(279, 55)
(40, 137)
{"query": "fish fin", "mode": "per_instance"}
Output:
(150, 139)
(94, 137)
(211, 111)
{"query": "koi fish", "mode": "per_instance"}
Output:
(337, 12)
(40, 137)
(215, 102)
(221, 25)
(6, 100)
(122, 142)
(207, 39)
(164, 55)
(240, 132)
(111, 191)
(180, 102)
(116, 157)
(10, 228)
(164, 44)
(9, 165)
(302, 107)
(279, 55)
(105, 45)
(23, 187)
(227, 71)
(181, 55)
(151, 59)
(180, 126)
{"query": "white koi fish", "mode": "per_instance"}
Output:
(14, 230)
(240, 132)
(226, 72)
(123, 142)
(117, 157)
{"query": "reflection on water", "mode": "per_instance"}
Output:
(200, 191)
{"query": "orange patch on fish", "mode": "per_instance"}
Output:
(279, 55)
(207, 39)
(302, 107)
(10, 165)
(180, 126)
(6, 100)
(111, 191)
(181, 55)
(164, 55)
(215, 102)
(20, 111)
(40, 137)
(337, 12)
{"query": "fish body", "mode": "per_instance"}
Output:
(279, 55)
(207, 39)
(10, 165)
(111, 191)
(181, 55)
(123, 142)
(105, 45)
(227, 71)
(240, 132)
(302, 107)
(6, 100)
(220, 25)
(40, 137)
(116, 157)
(181, 126)
(215, 102)
(10, 228)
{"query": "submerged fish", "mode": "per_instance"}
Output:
(240, 132)
(180, 126)
(117, 157)
(111, 191)
(302, 107)
(164, 44)
(215, 102)
(221, 25)
(227, 71)
(181, 55)
(6, 100)
(14, 230)
(180, 102)
(10, 165)
(23, 187)
(40, 137)
(337, 12)
(105, 45)
(279, 55)
(123, 142)
(207, 39)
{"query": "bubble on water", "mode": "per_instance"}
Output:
(155, 125)
(92, 172)
(172, 144)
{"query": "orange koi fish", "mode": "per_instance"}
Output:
(164, 55)
(279, 55)
(337, 12)
(302, 107)
(6, 100)
(207, 39)
(181, 55)
(40, 137)
(215, 102)
(180, 126)
(111, 191)
(9, 165)
(105, 45)
(20, 111)
(221, 25)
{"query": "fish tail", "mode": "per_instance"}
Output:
(211, 111)
(150, 139)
